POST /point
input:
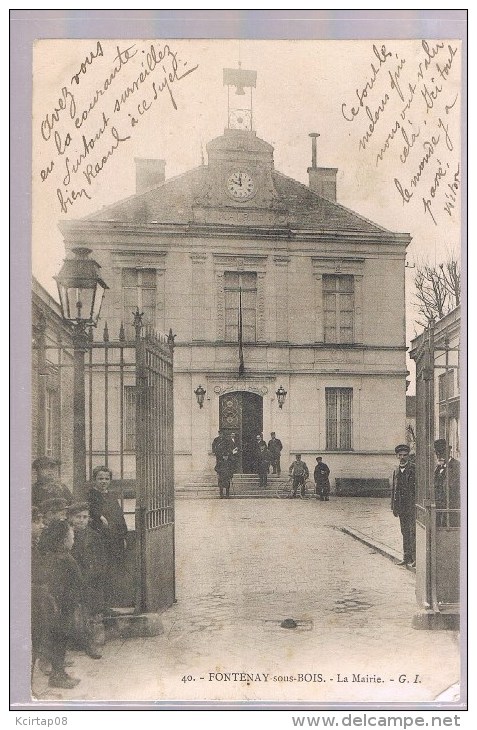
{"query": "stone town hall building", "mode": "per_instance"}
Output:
(322, 292)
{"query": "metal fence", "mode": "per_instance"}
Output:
(437, 515)
(128, 404)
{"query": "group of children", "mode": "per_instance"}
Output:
(76, 547)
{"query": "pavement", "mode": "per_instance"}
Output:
(242, 568)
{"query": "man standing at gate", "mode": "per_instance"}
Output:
(403, 503)
(274, 449)
(446, 486)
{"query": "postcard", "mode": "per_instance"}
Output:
(245, 402)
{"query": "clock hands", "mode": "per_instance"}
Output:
(240, 185)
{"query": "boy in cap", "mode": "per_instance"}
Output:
(47, 483)
(89, 551)
(53, 509)
(446, 486)
(403, 503)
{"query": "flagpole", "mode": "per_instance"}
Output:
(240, 340)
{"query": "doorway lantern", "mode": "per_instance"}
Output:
(281, 394)
(200, 394)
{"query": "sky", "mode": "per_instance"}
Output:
(387, 111)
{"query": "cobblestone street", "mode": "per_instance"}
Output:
(243, 566)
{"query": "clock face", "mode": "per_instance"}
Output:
(240, 186)
(240, 119)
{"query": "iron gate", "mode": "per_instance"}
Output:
(437, 530)
(154, 472)
(126, 412)
(130, 429)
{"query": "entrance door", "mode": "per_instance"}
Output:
(242, 413)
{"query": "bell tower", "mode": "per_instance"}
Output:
(240, 102)
(239, 186)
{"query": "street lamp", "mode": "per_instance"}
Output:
(81, 291)
(281, 394)
(199, 394)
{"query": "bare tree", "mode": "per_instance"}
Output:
(451, 276)
(437, 289)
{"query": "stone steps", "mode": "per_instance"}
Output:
(243, 486)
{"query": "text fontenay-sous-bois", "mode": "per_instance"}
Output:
(407, 105)
(89, 122)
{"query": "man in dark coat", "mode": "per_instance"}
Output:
(263, 463)
(224, 464)
(47, 483)
(403, 503)
(322, 482)
(234, 448)
(217, 440)
(257, 448)
(446, 486)
(107, 518)
(274, 449)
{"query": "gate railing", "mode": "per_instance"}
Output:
(129, 429)
(438, 570)
(155, 469)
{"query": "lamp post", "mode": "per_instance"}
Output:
(81, 291)
(281, 394)
(200, 394)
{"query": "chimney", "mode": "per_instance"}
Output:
(149, 173)
(322, 180)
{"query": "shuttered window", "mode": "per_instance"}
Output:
(338, 308)
(446, 385)
(139, 292)
(339, 418)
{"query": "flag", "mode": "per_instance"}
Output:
(240, 342)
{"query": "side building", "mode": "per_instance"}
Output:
(51, 383)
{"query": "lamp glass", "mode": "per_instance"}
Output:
(80, 289)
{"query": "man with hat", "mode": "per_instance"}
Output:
(47, 483)
(224, 464)
(274, 448)
(446, 486)
(321, 476)
(403, 503)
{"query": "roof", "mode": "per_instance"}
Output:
(173, 202)
(169, 202)
(308, 210)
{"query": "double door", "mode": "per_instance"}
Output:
(241, 414)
